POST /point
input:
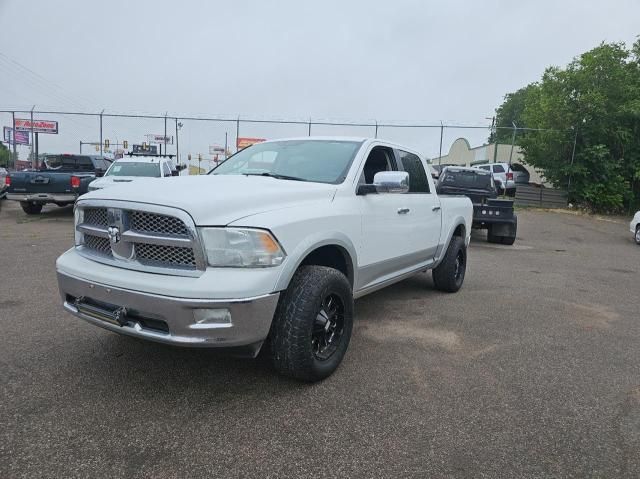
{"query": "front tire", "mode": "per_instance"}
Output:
(31, 208)
(449, 275)
(312, 324)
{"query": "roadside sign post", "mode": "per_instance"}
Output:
(15, 154)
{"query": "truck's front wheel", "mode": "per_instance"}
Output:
(312, 325)
(31, 208)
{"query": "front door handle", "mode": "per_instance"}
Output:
(435, 208)
(403, 211)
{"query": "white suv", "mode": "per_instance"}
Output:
(504, 173)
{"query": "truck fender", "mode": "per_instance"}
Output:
(442, 247)
(310, 244)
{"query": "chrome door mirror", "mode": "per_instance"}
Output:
(391, 182)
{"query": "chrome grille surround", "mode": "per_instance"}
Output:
(139, 236)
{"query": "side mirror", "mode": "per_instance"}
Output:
(99, 173)
(175, 173)
(391, 182)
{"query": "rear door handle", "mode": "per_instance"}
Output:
(435, 208)
(403, 211)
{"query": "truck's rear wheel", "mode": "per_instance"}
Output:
(312, 325)
(31, 208)
(637, 236)
(449, 275)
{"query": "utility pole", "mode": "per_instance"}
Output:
(237, 131)
(441, 135)
(15, 155)
(513, 141)
(177, 145)
(34, 159)
(165, 132)
(101, 132)
(495, 139)
(573, 153)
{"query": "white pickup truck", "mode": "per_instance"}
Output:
(270, 248)
(133, 168)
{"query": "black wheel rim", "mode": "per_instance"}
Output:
(328, 328)
(459, 269)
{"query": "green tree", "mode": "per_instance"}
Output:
(509, 112)
(5, 155)
(594, 101)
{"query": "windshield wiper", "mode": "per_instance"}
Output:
(276, 175)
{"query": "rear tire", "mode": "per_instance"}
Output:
(312, 325)
(508, 240)
(448, 276)
(637, 237)
(490, 236)
(31, 208)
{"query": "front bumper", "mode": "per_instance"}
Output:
(43, 197)
(167, 319)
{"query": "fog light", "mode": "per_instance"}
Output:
(497, 213)
(484, 212)
(490, 212)
(212, 316)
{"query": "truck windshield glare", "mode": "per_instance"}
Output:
(307, 160)
(135, 169)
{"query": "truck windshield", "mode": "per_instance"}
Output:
(466, 179)
(131, 168)
(319, 161)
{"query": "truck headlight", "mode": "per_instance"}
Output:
(241, 247)
(78, 217)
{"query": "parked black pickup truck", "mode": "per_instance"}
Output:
(61, 179)
(490, 213)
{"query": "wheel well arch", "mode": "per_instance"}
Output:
(460, 231)
(332, 256)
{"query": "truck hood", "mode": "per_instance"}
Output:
(108, 181)
(217, 200)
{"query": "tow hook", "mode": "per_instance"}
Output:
(120, 315)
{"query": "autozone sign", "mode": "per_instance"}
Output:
(37, 126)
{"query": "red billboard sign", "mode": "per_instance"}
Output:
(244, 142)
(39, 126)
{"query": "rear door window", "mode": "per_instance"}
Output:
(498, 169)
(418, 182)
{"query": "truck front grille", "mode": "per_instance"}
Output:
(96, 216)
(97, 244)
(154, 223)
(162, 240)
(160, 254)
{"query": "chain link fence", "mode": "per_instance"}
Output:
(202, 142)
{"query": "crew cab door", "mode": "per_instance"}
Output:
(388, 244)
(425, 214)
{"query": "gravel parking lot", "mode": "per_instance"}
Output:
(531, 370)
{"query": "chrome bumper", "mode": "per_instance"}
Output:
(43, 197)
(168, 319)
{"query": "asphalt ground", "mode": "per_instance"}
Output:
(531, 370)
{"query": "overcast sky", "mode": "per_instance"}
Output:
(396, 61)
